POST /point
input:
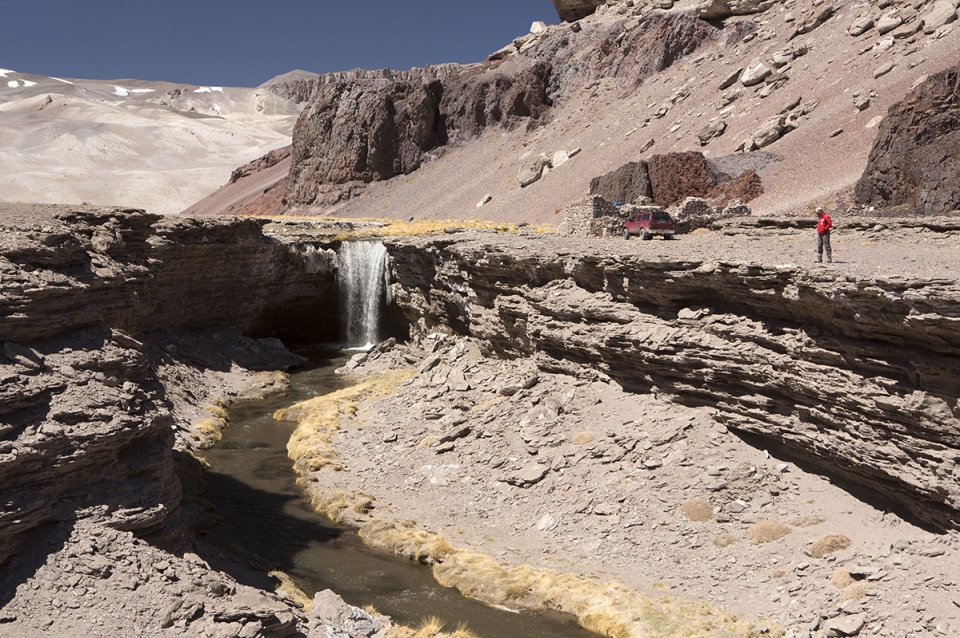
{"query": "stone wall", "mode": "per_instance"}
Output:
(592, 216)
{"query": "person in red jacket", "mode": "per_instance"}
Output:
(824, 224)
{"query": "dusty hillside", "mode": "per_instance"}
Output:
(153, 145)
(633, 79)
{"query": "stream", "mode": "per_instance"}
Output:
(252, 484)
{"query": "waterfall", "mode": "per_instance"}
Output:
(362, 278)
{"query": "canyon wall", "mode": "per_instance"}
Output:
(101, 363)
(857, 378)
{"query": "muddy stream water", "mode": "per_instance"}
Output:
(253, 487)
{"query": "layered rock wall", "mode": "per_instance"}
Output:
(93, 382)
(858, 378)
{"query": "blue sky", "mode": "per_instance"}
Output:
(246, 42)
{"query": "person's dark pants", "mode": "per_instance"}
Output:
(823, 242)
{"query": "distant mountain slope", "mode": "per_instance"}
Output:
(153, 145)
(807, 81)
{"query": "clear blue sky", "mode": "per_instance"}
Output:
(246, 42)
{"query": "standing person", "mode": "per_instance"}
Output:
(824, 224)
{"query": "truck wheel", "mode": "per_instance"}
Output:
(626, 234)
(644, 235)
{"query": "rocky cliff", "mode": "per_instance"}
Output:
(857, 377)
(118, 328)
(360, 130)
(915, 163)
(91, 389)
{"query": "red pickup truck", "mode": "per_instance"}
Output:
(648, 224)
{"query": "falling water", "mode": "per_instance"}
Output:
(362, 279)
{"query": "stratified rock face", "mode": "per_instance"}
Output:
(484, 97)
(782, 353)
(87, 419)
(363, 131)
(302, 89)
(573, 10)
(140, 272)
(915, 162)
(626, 184)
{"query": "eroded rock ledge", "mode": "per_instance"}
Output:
(858, 377)
(118, 329)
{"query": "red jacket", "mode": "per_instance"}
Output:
(824, 224)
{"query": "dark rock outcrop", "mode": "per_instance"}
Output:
(360, 132)
(915, 162)
(856, 378)
(626, 184)
(671, 178)
(269, 160)
(485, 97)
(302, 89)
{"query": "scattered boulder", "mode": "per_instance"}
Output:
(592, 216)
(915, 160)
(532, 169)
(889, 22)
(528, 476)
(730, 80)
(720, 9)
(755, 74)
(860, 25)
(675, 176)
(573, 10)
(942, 13)
(809, 25)
(711, 131)
(773, 130)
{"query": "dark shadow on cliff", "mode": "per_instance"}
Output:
(845, 480)
(29, 557)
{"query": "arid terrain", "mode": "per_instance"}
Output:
(713, 436)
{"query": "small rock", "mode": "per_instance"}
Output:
(547, 523)
(844, 626)
(943, 12)
(755, 74)
(883, 70)
(26, 357)
(889, 22)
(529, 475)
(730, 80)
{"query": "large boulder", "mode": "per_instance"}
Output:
(676, 176)
(573, 10)
(673, 177)
(626, 184)
(915, 161)
(720, 9)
